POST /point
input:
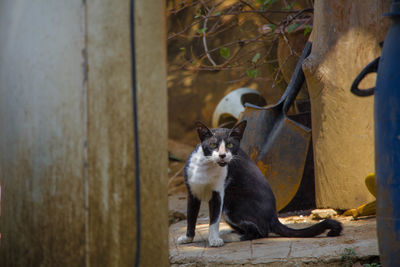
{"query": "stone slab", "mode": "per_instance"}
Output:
(359, 236)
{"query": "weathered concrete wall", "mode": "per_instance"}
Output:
(112, 231)
(66, 137)
(346, 37)
(111, 174)
(153, 133)
(42, 133)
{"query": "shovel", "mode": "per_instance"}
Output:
(276, 143)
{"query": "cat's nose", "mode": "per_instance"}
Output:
(222, 156)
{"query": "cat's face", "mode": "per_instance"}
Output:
(220, 144)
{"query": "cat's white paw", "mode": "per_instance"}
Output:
(215, 242)
(183, 239)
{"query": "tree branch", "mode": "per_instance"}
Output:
(205, 45)
(204, 33)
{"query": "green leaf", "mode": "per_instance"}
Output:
(202, 30)
(198, 14)
(224, 52)
(218, 13)
(292, 27)
(252, 73)
(272, 26)
(261, 2)
(307, 29)
(182, 48)
(256, 57)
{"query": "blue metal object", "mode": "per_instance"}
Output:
(387, 144)
(387, 140)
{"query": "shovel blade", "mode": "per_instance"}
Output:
(278, 146)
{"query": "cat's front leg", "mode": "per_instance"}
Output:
(193, 207)
(215, 207)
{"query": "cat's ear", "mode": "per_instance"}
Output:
(238, 130)
(202, 131)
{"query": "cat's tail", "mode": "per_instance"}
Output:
(334, 227)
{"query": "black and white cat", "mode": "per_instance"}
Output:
(221, 173)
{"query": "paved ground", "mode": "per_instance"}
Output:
(357, 242)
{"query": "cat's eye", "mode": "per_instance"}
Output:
(213, 145)
(229, 145)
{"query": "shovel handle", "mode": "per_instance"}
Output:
(296, 81)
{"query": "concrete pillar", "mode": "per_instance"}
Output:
(67, 168)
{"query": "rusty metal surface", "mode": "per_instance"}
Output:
(279, 147)
(305, 196)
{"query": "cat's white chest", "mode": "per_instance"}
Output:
(204, 176)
